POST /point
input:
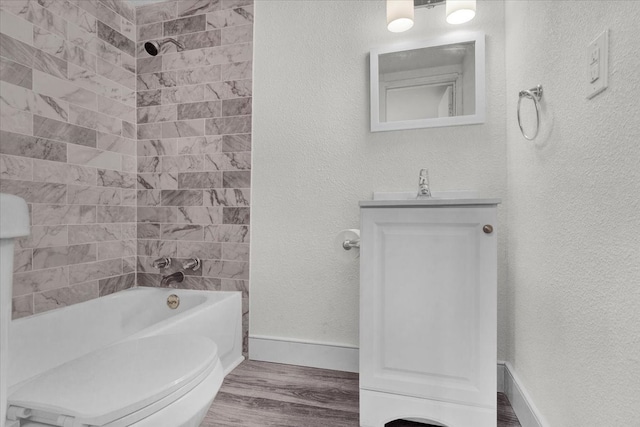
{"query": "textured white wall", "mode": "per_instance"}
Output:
(314, 157)
(574, 215)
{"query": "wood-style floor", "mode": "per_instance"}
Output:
(261, 394)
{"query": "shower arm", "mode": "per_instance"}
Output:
(177, 43)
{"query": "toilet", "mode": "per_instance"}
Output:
(14, 223)
(159, 381)
(155, 381)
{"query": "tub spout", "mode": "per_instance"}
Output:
(176, 277)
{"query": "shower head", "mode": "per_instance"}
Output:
(153, 47)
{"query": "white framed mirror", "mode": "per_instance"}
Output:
(431, 83)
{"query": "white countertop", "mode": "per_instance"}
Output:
(444, 198)
(427, 202)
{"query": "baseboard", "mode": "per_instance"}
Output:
(500, 376)
(304, 353)
(520, 400)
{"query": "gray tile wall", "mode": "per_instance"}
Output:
(194, 142)
(68, 146)
(124, 157)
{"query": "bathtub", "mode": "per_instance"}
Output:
(46, 340)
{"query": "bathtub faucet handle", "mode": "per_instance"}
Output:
(161, 262)
(192, 264)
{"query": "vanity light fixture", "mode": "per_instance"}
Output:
(399, 15)
(400, 12)
(460, 11)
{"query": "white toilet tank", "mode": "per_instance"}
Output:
(14, 222)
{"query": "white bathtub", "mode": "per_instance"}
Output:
(43, 341)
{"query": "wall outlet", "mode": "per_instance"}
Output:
(598, 64)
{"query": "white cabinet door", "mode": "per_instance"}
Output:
(428, 303)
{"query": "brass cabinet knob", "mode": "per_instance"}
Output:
(488, 229)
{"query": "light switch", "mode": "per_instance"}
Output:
(595, 72)
(595, 54)
(598, 64)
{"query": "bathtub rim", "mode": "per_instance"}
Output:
(119, 294)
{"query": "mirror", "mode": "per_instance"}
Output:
(431, 83)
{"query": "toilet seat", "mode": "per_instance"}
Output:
(118, 385)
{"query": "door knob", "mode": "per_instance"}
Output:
(488, 229)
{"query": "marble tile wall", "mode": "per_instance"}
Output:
(124, 157)
(194, 142)
(68, 146)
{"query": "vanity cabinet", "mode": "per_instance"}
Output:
(428, 273)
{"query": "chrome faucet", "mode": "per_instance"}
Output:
(191, 264)
(423, 185)
(176, 277)
(161, 262)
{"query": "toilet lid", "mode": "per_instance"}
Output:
(119, 380)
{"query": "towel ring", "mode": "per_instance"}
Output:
(536, 95)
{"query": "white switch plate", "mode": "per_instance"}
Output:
(595, 72)
(598, 64)
(595, 54)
